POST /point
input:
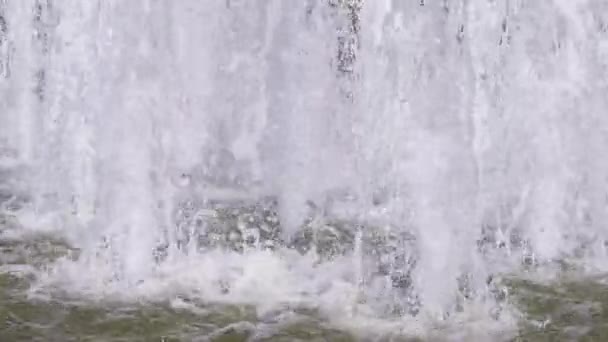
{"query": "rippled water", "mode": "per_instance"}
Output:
(568, 307)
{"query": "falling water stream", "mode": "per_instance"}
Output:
(329, 170)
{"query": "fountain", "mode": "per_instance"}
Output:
(384, 160)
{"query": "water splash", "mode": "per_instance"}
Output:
(431, 145)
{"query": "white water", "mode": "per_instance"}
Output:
(458, 121)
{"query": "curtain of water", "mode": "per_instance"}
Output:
(475, 126)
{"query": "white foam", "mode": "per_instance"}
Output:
(271, 282)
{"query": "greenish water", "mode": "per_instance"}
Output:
(23, 319)
(565, 310)
(569, 310)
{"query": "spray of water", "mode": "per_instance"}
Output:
(385, 159)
